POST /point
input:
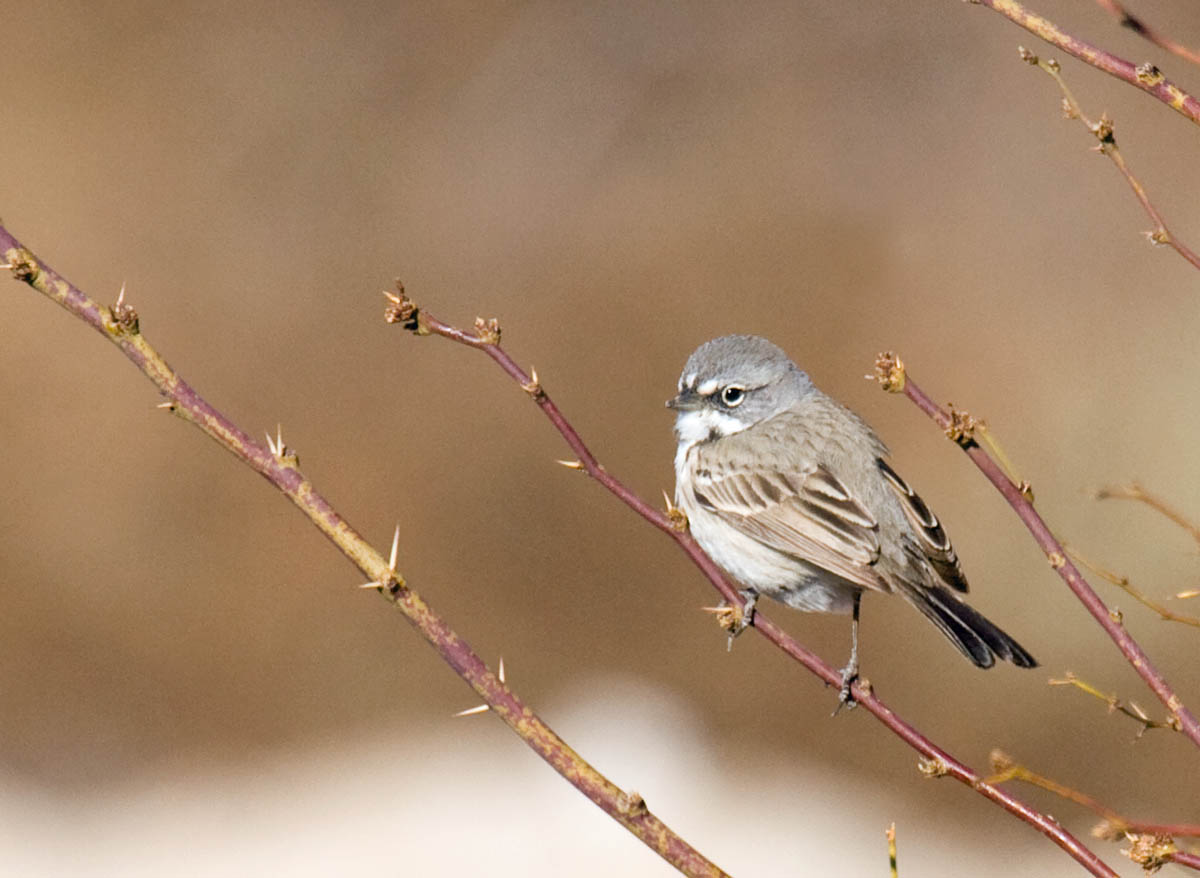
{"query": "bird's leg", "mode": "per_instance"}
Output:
(746, 619)
(850, 672)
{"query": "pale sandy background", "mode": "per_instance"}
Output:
(190, 682)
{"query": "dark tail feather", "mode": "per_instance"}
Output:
(975, 635)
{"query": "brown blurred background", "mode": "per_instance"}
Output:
(192, 683)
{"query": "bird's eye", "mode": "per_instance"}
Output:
(733, 395)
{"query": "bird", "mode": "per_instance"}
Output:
(792, 495)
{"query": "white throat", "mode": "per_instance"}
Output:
(702, 425)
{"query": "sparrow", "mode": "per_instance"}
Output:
(791, 494)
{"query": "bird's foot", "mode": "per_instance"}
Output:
(845, 696)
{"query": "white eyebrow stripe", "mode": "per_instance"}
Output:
(708, 388)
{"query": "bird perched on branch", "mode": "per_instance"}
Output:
(790, 493)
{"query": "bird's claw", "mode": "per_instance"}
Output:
(845, 696)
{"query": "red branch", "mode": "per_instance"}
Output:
(1183, 858)
(937, 762)
(119, 324)
(887, 365)
(1145, 77)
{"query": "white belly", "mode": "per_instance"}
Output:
(755, 566)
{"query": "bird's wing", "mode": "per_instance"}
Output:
(800, 509)
(931, 538)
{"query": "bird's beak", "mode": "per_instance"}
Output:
(687, 401)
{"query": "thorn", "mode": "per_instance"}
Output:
(169, 405)
(571, 464)
(483, 708)
(124, 316)
(533, 387)
(728, 618)
(395, 550)
(279, 449)
(675, 515)
(276, 444)
(1191, 593)
(386, 581)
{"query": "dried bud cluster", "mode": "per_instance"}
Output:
(962, 426)
(889, 372)
(401, 309)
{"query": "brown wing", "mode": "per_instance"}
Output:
(801, 510)
(934, 543)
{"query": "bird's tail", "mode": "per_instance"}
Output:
(974, 634)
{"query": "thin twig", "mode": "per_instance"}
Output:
(1160, 87)
(1102, 130)
(935, 761)
(1134, 491)
(1115, 825)
(280, 466)
(1135, 24)
(892, 376)
(1123, 583)
(1129, 709)
(891, 840)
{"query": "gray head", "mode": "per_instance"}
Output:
(733, 382)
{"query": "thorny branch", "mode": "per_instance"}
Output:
(1158, 86)
(280, 466)
(935, 762)
(1106, 145)
(892, 376)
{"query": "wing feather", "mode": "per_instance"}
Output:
(934, 543)
(800, 509)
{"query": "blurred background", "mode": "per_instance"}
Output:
(193, 684)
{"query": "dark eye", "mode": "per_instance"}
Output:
(733, 395)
